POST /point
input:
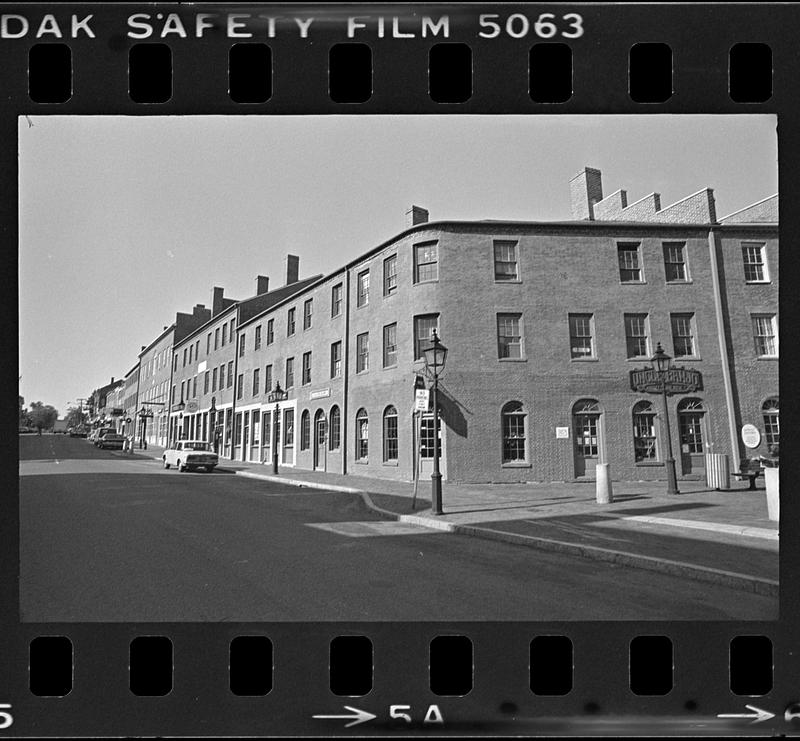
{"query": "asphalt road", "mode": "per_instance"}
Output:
(109, 538)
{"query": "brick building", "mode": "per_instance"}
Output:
(544, 322)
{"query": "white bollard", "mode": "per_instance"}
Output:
(603, 491)
(771, 479)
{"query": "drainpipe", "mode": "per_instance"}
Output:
(723, 347)
(346, 369)
(234, 388)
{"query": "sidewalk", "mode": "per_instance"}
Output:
(723, 537)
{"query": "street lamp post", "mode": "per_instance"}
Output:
(212, 418)
(662, 363)
(435, 356)
(277, 395)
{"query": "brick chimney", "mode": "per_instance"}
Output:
(262, 284)
(416, 215)
(585, 189)
(292, 263)
(216, 300)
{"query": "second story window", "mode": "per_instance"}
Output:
(390, 275)
(426, 262)
(362, 291)
(675, 262)
(581, 342)
(268, 380)
(307, 308)
(509, 335)
(256, 381)
(630, 268)
(241, 345)
(206, 381)
(290, 322)
(240, 386)
(336, 300)
(683, 334)
(306, 368)
(362, 352)
(230, 374)
(389, 345)
(636, 336)
(505, 260)
(214, 380)
(336, 359)
(755, 266)
(289, 372)
(270, 331)
(257, 339)
(765, 335)
(423, 332)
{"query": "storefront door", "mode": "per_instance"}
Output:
(586, 425)
(424, 426)
(288, 436)
(319, 441)
(691, 424)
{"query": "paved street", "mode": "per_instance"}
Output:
(110, 538)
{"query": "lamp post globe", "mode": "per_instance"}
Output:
(435, 357)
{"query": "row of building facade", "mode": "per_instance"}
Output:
(543, 322)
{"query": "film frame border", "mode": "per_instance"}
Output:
(500, 702)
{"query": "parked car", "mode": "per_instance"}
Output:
(95, 435)
(110, 440)
(79, 431)
(187, 455)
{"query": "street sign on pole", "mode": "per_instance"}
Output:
(421, 400)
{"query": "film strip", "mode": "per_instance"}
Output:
(263, 601)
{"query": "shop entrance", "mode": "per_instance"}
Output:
(319, 441)
(586, 425)
(691, 425)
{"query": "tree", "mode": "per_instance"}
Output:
(42, 416)
(75, 417)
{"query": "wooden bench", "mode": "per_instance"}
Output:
(749, 469)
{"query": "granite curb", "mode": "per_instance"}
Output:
(766, 587)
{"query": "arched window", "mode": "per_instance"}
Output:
(335, 433)
(390, 447)
(362, 435)
(644, 432)
(305, 430)
(513, 424)
(770, 411)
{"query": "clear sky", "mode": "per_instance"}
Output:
(126, 220)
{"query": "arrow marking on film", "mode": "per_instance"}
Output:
(757, 715)
(360, 716)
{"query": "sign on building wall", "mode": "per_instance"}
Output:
(191, 406)
(677, 380)
(421, 400)
(320, 394)
(562, 433)
(751, 436)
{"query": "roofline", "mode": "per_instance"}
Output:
(160, 337)
(203, 326)
(744, 208)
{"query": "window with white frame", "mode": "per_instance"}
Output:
(362, 288)
(770, 411)
(683, 340)
(306, 368)
(581, 340)
(390, 275)
(630, 268)
(390, 444)
(336, 359)
(505, 260)
(423, 332)
(362, 435)
(426, 262)
(390, 345)
(335, 434)
(290, 321)
(336, 300)
(305, 430)
(513, 424)
(307, 310)
(509, 336)
(765, 335)
(636, 339)
(755, 264)
(644, 432)
(362, 352)
(675, 262)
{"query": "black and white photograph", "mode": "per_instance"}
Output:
(398, 368)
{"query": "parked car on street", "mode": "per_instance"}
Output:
(187, 455)
(95, 435)
(79, 431)
(111, 440)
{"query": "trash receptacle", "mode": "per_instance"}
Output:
(718, 472)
